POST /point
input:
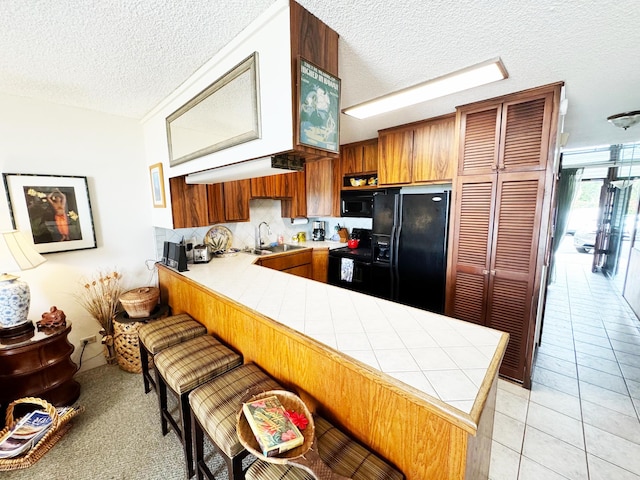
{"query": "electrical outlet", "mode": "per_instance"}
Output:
(91, 339)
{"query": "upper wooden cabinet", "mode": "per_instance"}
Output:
(507, 136)
(189, 204)
(323, 188)
(359, 157)
(236, 200)
(215, 203)
(201, 205)
(272, 186)
(422, 152)
(295, 205)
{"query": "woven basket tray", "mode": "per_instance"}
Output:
(289, 401)
(58, 428)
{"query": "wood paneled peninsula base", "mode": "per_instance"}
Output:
(38, 366)
(283, 323)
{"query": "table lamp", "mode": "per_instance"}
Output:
(16, 254)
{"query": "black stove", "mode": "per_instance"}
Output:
(363, 253)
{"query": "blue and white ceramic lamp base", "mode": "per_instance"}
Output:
(15, 298)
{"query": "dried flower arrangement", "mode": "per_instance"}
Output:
(99, 296)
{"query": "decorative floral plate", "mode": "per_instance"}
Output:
(218, 239)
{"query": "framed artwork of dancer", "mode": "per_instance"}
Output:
(54, 210)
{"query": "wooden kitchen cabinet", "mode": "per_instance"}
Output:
(320, 261)
(189, 204)
(215, 203)
(236, 200)
(295, 205)
(500, 218)
(271, 186)
(323, 188)
(417, 153)
(201, 205)
(512, 136)
(295, 263)
(359, 157)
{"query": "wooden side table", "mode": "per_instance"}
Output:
(38, 365)
(125, 337)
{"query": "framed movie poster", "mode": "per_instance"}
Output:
(55, 210)
(319, 108)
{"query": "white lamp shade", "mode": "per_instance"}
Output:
(17, 253)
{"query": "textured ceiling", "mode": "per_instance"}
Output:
(125, 56)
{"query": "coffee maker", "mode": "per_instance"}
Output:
(318, 231)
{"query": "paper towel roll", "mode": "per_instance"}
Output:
(299, 221)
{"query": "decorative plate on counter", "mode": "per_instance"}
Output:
(218, 239)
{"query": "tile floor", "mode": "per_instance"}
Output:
(580, 420)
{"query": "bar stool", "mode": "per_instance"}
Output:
(182, 368)
(341, 453)
(160, 334)
(214, 407)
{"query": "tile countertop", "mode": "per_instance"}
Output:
(437, 355)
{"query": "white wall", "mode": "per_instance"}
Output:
(269, 35)
(51, 139)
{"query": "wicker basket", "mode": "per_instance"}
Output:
(289, 401)
(140, 302)
(127, 346)
(58, 428)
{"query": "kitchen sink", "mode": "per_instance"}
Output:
(275, 249)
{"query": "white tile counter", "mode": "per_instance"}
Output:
(436, 356)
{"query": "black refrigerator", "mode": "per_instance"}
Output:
(409, 244)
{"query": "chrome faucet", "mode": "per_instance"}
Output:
(258, 235)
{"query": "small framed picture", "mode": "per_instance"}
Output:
(55, 210)
(157, 185)
(318, 108)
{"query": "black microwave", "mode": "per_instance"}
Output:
(356, 203)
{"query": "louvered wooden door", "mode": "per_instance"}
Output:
(512, 268)
(497, 217)
(472, 229)
(524, 134)
(479, 140)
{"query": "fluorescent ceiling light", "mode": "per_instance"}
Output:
(474, 76)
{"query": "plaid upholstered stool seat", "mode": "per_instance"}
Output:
(214, 407)
(182, 368)
(160, 334)
(343, 455)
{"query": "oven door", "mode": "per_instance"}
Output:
(350, 273)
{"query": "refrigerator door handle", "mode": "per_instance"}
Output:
(395, 247)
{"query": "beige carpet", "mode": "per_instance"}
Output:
(117, 437)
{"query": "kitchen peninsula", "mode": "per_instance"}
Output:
(417, 387)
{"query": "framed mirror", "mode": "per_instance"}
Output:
(225, 114)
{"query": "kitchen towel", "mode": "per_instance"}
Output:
(346, 269)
